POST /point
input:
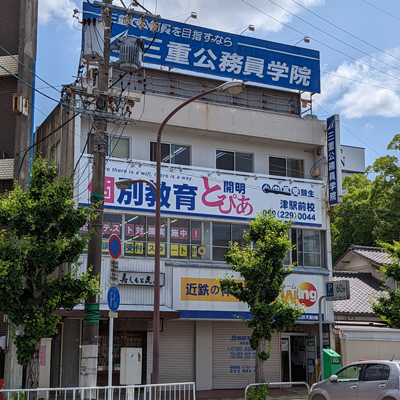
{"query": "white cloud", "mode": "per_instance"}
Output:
(358, 90)
(369, 126)
(56, 11)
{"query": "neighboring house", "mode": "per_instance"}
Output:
(359, 332)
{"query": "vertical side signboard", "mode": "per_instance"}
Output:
(334, 171)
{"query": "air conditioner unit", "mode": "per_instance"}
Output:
(20, 104)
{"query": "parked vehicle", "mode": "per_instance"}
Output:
(363, 380)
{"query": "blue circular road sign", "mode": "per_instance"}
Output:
(114, 246)
(113, 298)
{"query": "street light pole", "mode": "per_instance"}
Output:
(232, 88)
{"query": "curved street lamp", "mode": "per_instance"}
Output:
(233, 88)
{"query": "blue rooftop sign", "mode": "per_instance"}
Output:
(203, 50)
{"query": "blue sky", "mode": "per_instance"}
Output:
(357, 39)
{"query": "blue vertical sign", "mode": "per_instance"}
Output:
(334, 172)
(208, 51)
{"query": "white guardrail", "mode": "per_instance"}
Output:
(269, 384)
(169, 391)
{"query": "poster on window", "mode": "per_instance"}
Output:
(196, 193)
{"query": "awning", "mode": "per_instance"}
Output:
(124, 311)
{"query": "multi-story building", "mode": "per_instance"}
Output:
(218, 154)
(17, 62)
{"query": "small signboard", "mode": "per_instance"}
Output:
(114, 269)
(337, 290)
(113, 298)
(114, 246)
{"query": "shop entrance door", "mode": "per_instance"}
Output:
(293, 358)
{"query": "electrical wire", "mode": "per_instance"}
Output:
(380, 9)
(29, 70)
(339, 40)
(350, 131)
(343, 30)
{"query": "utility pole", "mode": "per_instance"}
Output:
(88, 370)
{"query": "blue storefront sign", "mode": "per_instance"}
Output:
(334, 172)
(203, 50)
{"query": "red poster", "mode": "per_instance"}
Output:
(195, 234)
(129, 230)
(174, 233)
(139, 230)
(106, 228)
(151, 231)
(116, 229)
(183, 233)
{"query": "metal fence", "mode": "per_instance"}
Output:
(170, 391)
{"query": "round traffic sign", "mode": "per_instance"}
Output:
(113, 298)
(114, 246)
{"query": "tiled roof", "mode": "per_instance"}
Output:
(363, 289)
(375, 255)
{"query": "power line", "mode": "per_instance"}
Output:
(19, 62)
(380, 9)
(350, 131)
(341, 41)
(348, 33)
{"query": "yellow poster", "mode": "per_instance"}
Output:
(104, 246)
(162, 249)
(139, 248)
(203, 289)
(129, 248)
(194, 251)
(174, 250)
(151, 249)
(183, 251)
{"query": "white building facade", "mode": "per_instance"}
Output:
(217, 156)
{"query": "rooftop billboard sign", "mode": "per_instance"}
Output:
(203, 50)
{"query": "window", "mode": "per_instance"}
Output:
(223, 233)
(171, 153)
(307, 252)
(117, 146)
(348, 374)
(286, 167)
(234, 161)
(56, 154)
(376, 372)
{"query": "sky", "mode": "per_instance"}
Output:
(357, 40)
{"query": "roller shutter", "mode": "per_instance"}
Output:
(177, 352)
(233, 364)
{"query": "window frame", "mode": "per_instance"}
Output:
(90, 145)
(235, 153)
(170, 144)
(287, 169)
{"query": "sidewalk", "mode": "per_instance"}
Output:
(235, 394)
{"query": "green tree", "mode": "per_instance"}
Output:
(387, 306)
(262, 267)
(40, 234)
(370, 212)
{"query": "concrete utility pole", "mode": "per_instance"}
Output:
(91, 317)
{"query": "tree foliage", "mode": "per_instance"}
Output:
(387, 306)
(262, 267)
(40, 234)
(370, 212)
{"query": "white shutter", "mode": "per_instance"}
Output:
(177, 352)
(234, 361)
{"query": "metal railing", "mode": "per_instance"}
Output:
(169, 391)
(269, 384)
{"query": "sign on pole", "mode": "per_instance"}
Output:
(337, 290)
(113, 298)
(114, 246)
